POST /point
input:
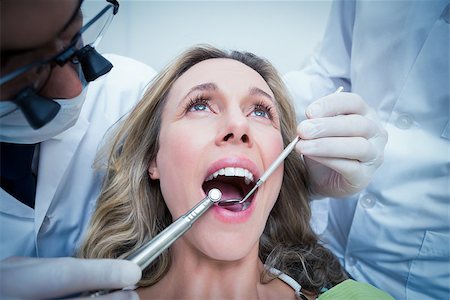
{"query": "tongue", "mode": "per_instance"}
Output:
(229, 191)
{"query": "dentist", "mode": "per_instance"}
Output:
(58, 99)
(394, 234)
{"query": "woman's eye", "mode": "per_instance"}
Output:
(199, 107)
(262, 111)
(198, 104)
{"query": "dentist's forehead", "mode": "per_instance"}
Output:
(227, 74)
(29, 24)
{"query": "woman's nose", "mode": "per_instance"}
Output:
(235, 130)
(63, 83)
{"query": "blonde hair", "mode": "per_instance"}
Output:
(131, 209)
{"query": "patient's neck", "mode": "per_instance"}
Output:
(193, 275)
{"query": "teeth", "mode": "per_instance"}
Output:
(239, 172)
(233, 172)
(246, 204)
(247, 179)
(229, 172)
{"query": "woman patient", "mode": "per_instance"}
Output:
(213, 119)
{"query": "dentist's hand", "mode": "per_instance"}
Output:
(342, 141)
(44, 278)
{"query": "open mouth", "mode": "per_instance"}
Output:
(234, 183)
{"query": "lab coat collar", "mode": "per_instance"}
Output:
(60, 149)
(10, 205)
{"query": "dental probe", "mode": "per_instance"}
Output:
(271, 168)
(153, 248)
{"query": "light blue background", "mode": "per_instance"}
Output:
(154, 32)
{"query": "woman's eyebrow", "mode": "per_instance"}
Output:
(209, 86)
(254, 91)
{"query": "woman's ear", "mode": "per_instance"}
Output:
(153, 170)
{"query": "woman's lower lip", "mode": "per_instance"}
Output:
(228, 216)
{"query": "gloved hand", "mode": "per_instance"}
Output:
(43, 278)
(342, 142)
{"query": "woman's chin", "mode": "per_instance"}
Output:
(223, 241)
(227, 250)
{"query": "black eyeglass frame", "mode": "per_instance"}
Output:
(67, 54)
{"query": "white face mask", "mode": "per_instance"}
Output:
(14, 128)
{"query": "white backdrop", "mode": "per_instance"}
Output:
(154, 32)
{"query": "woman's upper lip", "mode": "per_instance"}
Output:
(235, 162)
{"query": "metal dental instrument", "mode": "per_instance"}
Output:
(152, 249)
(264, 176)
(269, 170)
(148, 252)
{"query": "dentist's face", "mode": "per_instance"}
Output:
(31, 31)
(220, 128)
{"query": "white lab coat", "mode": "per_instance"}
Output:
(396, 233)
(67, 184)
